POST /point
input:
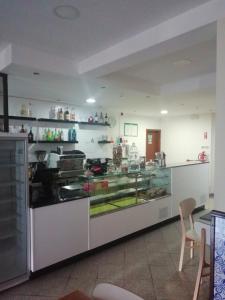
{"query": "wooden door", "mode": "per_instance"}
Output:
(153, 143)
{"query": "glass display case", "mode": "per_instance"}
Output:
(112, 192)
(49, 186)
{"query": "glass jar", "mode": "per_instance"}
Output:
(124, 165)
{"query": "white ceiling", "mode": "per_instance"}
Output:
(101, 24)
(146, 88)
(165, 70)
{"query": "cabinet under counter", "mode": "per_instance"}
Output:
(58, 232)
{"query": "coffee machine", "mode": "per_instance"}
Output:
(160, 159)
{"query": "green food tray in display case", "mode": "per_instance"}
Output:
(101, 208)
(127, 201)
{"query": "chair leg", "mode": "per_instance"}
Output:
(182, 254)
(192, 250)
(197, 284)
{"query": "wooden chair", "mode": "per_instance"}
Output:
(189, 235)
(107, 291)
(203, 265)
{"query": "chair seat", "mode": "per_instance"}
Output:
(192, 235)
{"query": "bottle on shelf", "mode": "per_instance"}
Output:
(22, 130)
(67, 114)
(30, 110)
(101, 118)
(72, 115)
(74, 135)
(106, 118)
(24, 110)
(60, 115)
(52, 113)
(30, 136)
(96, 117)
(61, 134)
(70, 134)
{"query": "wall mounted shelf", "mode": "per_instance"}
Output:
(105, 142)
(57, 142)
(22, 118)
(57, 121)
(94, 124)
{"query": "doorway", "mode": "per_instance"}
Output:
(153, 143)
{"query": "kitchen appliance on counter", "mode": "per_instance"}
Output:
(98, 166)
(59, 181)
(68, 161)
(160, 159)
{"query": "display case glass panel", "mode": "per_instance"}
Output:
(113, 192)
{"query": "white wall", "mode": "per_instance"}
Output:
(182, 137)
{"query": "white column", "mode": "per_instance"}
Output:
(220, 120)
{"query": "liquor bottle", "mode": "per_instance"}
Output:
(30, 110)
(60, 114)
(30, 136)
(106, 119)
(67, 114)
(101, 118)
(96, 117)
(74, 135)
(72, 115)
(22, 130)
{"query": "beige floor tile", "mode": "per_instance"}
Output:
(142, 287)
(82, 284)
(137, 271)
(111, 272)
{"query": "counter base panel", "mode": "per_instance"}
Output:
(129, 220)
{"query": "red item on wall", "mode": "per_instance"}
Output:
(202, 156)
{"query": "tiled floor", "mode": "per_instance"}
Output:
(146, 265)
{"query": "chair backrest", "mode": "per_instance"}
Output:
(107, 291)
(186, 208)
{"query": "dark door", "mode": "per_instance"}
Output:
(4, 125)
(153, 143)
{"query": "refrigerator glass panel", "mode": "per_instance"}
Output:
(1, 105)
(13, 210)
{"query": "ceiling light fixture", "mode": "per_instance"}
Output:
(36, 73)
(66, 12)
(164, 112)
(182, 62)
(90, 100)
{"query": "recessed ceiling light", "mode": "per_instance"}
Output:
(66, 12)
(182, 62)
(147, 96)
(90, 100)
(103, 87)
(164, 112)
(36, 73)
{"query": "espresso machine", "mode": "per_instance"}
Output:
(160, 159)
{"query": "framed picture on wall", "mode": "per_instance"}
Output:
(131, 129)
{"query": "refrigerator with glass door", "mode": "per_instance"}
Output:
(14, 212)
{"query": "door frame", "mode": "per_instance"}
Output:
(146, 140)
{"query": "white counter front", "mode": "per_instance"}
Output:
(64, 230)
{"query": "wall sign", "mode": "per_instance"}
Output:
(131, 129)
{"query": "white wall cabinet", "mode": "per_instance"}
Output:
(58, 232)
